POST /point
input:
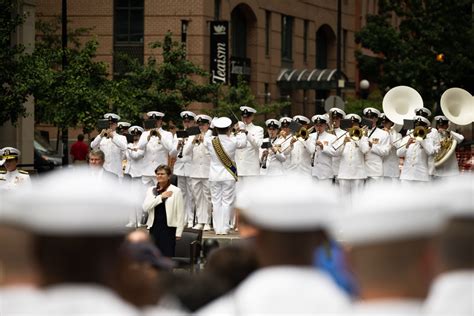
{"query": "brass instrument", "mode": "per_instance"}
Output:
(303, 133)
(197, 140)
(420, 132)
(356, 133)
(448, 147)
(315, 148)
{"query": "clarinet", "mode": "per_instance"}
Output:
(180, 154)
(314, 153)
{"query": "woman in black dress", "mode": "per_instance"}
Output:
(164, 204)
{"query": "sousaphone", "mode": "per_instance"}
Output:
(458, 106)
(399, 104)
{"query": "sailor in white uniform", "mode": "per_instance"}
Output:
(435, 139)
(450, 167)
(77, 242)
(352, 173)
(182, 167)
(300, 158)
(247, 159)
(379, 143)
(391, 162)
(199, 172)
(223, 172)
(284, 140)
(336, 115)
(416, 151)
(272, 158)
(391, 247)
(289, 228)
(321, 146)
(157, 144)
(12, 178)
(112, 144)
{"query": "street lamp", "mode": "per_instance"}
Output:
(364, 86)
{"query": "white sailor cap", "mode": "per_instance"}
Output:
(112, 117)
(203, 118)
(371, 221)
(441, 119)
(301, 119)
(290, 203)
(123, 124)
(222, 122)
(337, 112)
(285, 120)
(384, 117)
(8, 153)
(460, 189)
(56, 208)
(135, 130)
(422, 119)
(370, 111)
(319, 119)
(247, 110)
(272, 123)
(422, 112)
(353, 117)
(187, 115)
(155, 114)
(212, 122)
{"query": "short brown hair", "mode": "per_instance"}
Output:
(166, 168)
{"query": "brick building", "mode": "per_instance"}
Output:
(288, 47)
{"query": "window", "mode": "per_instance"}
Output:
(268, 31)
(305, 40)
(239, 33)
(286, 38)
(184, 31)
(128, 32)
(128, 21)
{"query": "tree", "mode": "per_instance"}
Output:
(169, 86)
(12, 94)
(228, 100)
(407, 52)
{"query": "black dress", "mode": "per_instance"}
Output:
(163, 235)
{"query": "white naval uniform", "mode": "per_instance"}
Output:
(113, 148)
(391, 162)
(156, 153)
(436, 140)
(336, 160)
(274, 161)
(451, 293)
(199, 175)
(388, 307)
(415, 166)
(380, 149)
(221, 182)
(13, 180)
(84, 300)
(285, 149)
(282, 290)
(181, 169)
(352, 171)
(323, 157)
(300, 158)
(21, 300)
(450, 167)
(247, 159)
(134, 168)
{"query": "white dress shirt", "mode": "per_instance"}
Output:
(156, 150)
(114, 149)
(388, 307)
(200, 157)
(337, 159)
(380, 149)
(275, 160)
(300, 158)
(247, 158)
(182, 166)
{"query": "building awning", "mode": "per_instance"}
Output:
(306, 79)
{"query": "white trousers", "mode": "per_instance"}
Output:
(202, 200)
(137, 188)
(184, 184)
(350, 186)
(222, 197)
(323, 181)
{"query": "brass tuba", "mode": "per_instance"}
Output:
(399, 103)
(448, 146)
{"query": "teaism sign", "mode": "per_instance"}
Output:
(219, 51)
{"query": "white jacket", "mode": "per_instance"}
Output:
(352, 165)
(174, 208)
(391, 162)
(415, 165)
(380, 148)
(323, 158)
(156, 150)
(113, 148)
(337, 159)
(200, 158)
(274, 161)
(134, 157)
(300, 158)
(247, 158)
(217, 171)
(182, 166)
(450, 167)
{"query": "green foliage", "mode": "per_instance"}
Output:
(12, 93)
(357, 105)
(228, 101)
(408, 51)
(169, 86)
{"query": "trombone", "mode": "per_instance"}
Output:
(418, 133)
(355, 133)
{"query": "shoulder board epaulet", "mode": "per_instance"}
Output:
(23, 171)
(3, 171)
